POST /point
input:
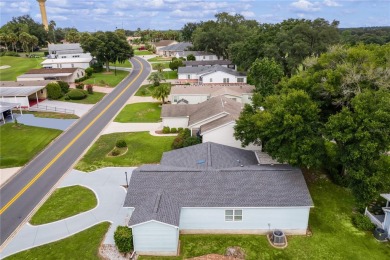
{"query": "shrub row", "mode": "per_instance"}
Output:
(362, 222)
(184, 139)
(81, 79)
(76, 94)
(173, 130)
(9, 53)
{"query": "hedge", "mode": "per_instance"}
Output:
(77, 94)
(64, 86)
(53, 90)
(123, 238)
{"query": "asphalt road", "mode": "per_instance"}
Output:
(20, 196)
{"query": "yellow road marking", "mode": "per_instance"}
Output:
(28, 185)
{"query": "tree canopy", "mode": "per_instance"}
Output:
(107, 47)
(333, 113)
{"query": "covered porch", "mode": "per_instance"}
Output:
(381, 220)
(6, 110)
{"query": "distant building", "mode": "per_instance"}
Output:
(190, 94)
(174, 49)
(67, 63)
(199, 55)
(215, 74)
(163, 43)
(213, 120)
(68, 75)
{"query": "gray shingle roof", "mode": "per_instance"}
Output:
(207, 62)
(208, 156)
(67, 48)
(203, 70)
(255, 186)
(181, 46)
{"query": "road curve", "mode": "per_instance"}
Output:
(21, 195)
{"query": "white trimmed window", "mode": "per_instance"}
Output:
(225, 80)
(233, 215)
(211, 79)
(188, 76)
(240, 80)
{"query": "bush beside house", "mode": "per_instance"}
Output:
(123, 238)
(54, 91)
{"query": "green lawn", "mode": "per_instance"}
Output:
(140, 113)
(170, 74)
(143, 148)
(334, 236)
(90, 99)
(51, 115)
(126, 64)
(145, 52)
(61, 204)
(106, 78)
(20, 144)
(83, 245)
(157, 59)
(18, 67)
(165, 64)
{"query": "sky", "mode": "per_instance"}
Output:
(173, 14)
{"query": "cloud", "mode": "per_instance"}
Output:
(331, 3)
(305, 6)
(248, 14)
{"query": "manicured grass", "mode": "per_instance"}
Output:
(156, 59)
(143, 148)
(145, 52)
(165, 64)
(126, 64)
(90, 99)
(170, 74)
(107, 78)
(20, 144)
(63, 203)
(18, 67)
(52, 115)
(147, 90)
(83, 245)
(140, 113)
(334, 236)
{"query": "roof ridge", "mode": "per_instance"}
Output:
(209, 155)
(157, 202)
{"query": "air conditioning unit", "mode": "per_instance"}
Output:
(278, 238)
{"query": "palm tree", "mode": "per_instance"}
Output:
(3, 39)
(33, 42)
(161, 92)
(52, 26)
(156, 78)
(159, 67)
(24, 39)
(14, 40)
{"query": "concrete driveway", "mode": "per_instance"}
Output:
(107, 184)
(79, 109)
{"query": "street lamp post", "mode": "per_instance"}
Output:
(127, 183)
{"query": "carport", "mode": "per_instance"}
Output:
(5, 107)
(23, 92)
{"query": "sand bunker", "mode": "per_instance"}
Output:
(5, 67)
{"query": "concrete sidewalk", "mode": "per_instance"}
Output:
(107, 184)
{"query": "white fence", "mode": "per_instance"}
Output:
(373, 219)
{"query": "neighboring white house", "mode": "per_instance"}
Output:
(189, 94)
(382, 220)
(69, 55)
(23, 92)
(213, 189)
(174, 49)
(200, 63)
(213, 120)
(67, 63)
(68, 75)
(215, 74)
(199, 55)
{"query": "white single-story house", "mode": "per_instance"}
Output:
(190, 94)
(213, 120)
(383, 220)
(209, 63)
(23, 92)
(213, 189)
(199, 55)
(173, 49)
(163, 43)
(66, 48)
(215, 74)
(68, 75)
(67, 63)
